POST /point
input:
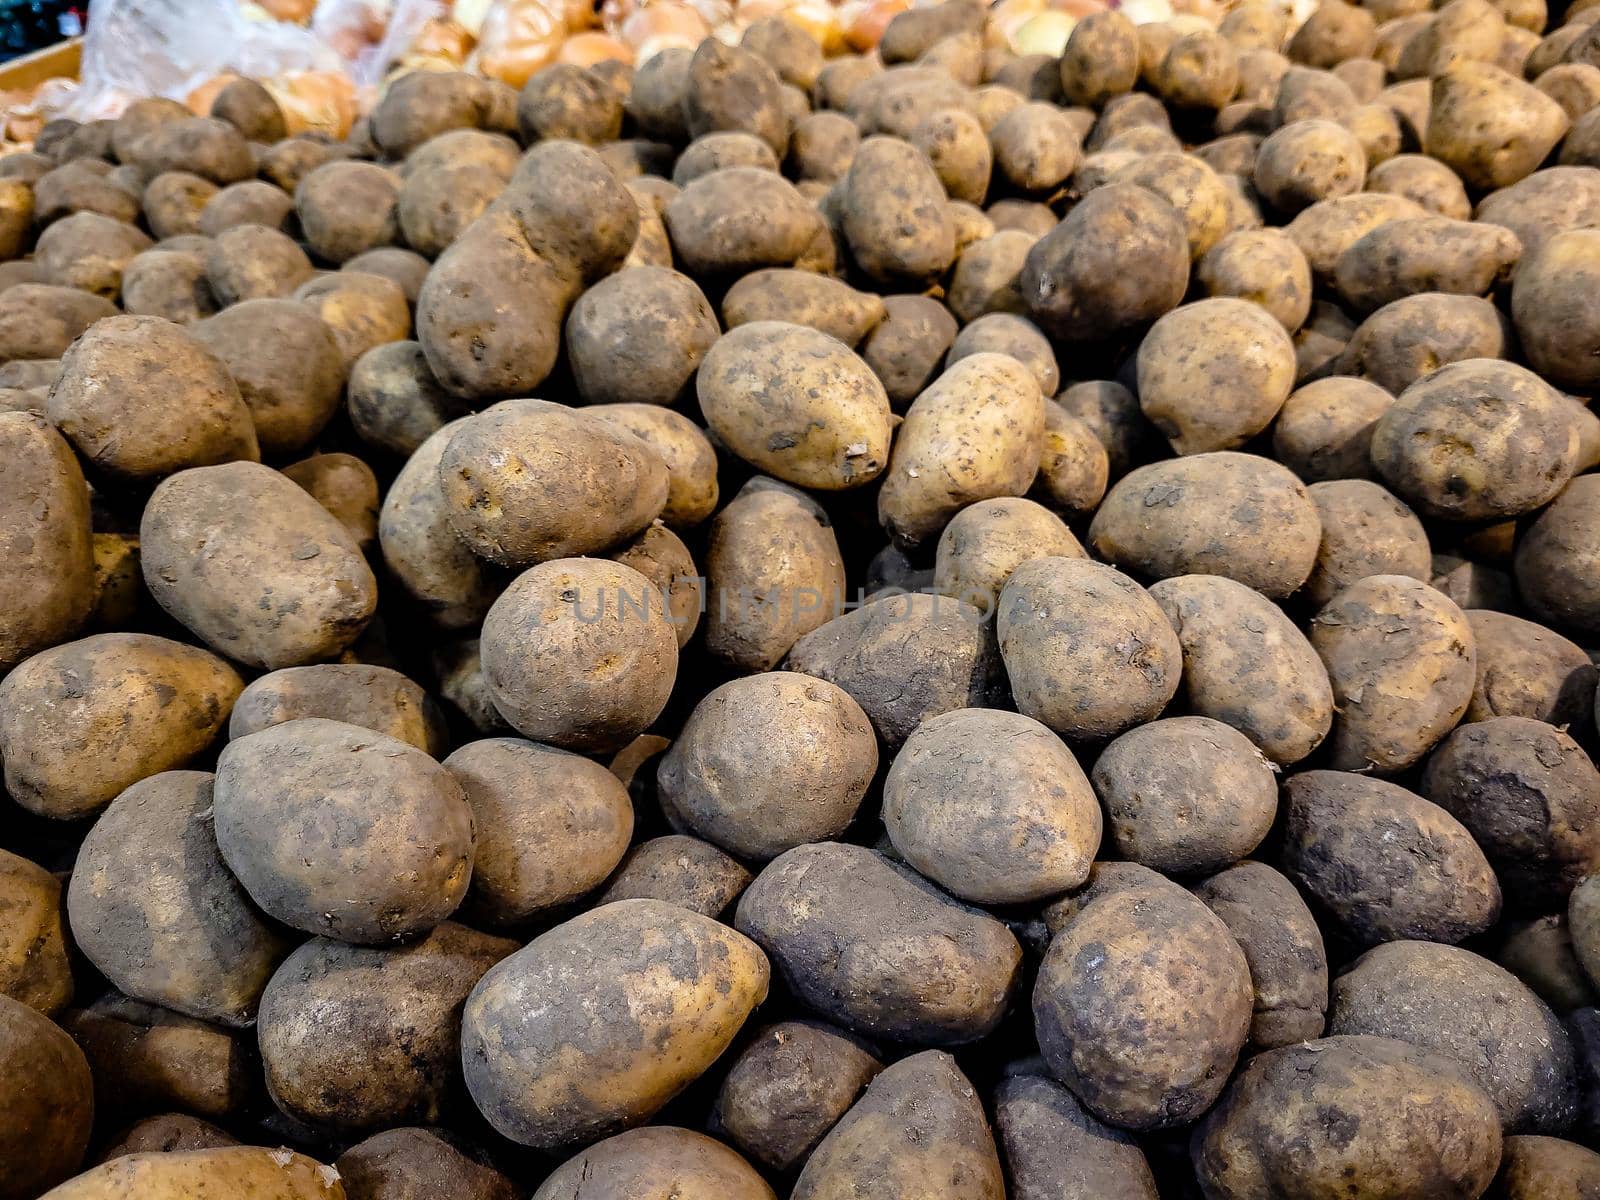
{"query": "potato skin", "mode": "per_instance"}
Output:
(236, 1170)
(1551, 304)
(1384, 863)
(394, 402)
(985, 542)
(1247, 665)
(989, 404)
(411, 1164)
(84, 720)
(1489, 127)
(1263, 266)
(1551, 557)
(1050, 1142)
(1425, 254)
(1526, 670)
(50, 1109)
(1402, 662)
(1335, 1101)
(1533, 1166)
(376, 698)
(919, 1120)
(1530, 796)
(1163, 1060)
(767, 763)
(1222, 513)
(637, 337)
(1449, 1001)
(404, 855)
(1365, 531)
(285, 584)
(45, 536)
(658, 1160)
(1411, 337)
(1324, 430)
(1283, 947)
(940, 974)
(551, 825)
(992, 806)
(34, 966)
(170, 926)
(578, 653)
(679, 870)
(581, 1033)
(820, 418)
(691, 461)
(740, 219)
(788, 1088)
(398, 1058)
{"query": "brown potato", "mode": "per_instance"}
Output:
(906, 349)
(1556, 324)
(250, 108)
(406, 268)
(658, 1160)
(1540, 953)
(240, 1170)
(731, 88)
(1200, 71)
(70, 749)
(741, 219)
(154, 908)
(802, 298)
(291, 585)
(1324, 430)
(551, 826)
(1050, 1141)
(580, 1033)
(903, 659)
(34, 967)
(347, 208)
(433, 207)
(420, 105)
(1101, 59)
(893, 213)
(87, 251)
(1424, 254)
(252, 262)
(173, 201)
(1526, 670)
(638, 337)
(1408, 338)
(346, 487)
(168, 284)
(985, 542)
(1489, 127)
(406, 1164)
(1535, 1166)
(1326, 229)
(1289, 1096)
(173, 1133)
(1162, 1060)
(394, 402)
(822, 145)
(1448, 1001)
(691, 462)
(939, 974)
(362, 310)
(50, 1110)
(1427, 181)
(1365, 531)
(1263, 266)
(956, 145)
(715, 151)
(1087, 651)
(1550, 555)
(375, 698)
(1383, 863)
(254, 202)
(579, 653)
(919, 1119)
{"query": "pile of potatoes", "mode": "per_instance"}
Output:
(931, 625)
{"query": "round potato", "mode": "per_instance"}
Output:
(1489, 127)
(658, 1160)
(580, 1033)
(1365, 531)
(395, 403)
(637, 337)
(1048, 1138)
(985, 542)
(50, 1113)
(252, 262)
(1263, 266)
(906, 349)
(1324, 429)
(1526, 670)
(1556, 324)
(348, 208)
(34, 966)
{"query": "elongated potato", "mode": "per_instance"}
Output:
(1051, 1142)
(376, 698)
(235, 1170)
(581, 1032)
(940, 974)
(50, 1108)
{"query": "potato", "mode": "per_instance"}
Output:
(1035, 147)
(252, 262)
(173, 1133)
(986, 275)
(821, 418)
(956, 145)
(1544, 1166)
(87, 251)
(741, 219)
(987, 400)
(907, 347)
(70, 749)
(987, 541)
(1408, 338)
(579, 653)
(580, 1033)
(433, 207)
(79, 187)
(347, 208)
(362, 310)
(903, 659)
(168, 284)
(1526, 670)
(528, 481)
(894, 217)
(254, 202)
(207, 147)
(34, 967)
(346, 487)
(1101, 60)
(291, 160)
(1450, 1002)
(1340, 1113)
(731, 88)
(1424, 254)
(235, 1170)
(1334, 31)
(1148, 522)
(679, 870)
(45, 532)
(1424, 180)
(1119, 260)
(552, 825)
(409, 1163)
(1326, 229)
(421, 549)
(1087, 650)
(547, 254)
(1540, 953)
(50, 1110)
(1489, 127)
(939, 973)
(1549, 304)
(375, 698)
(920, 1119)
(1162, 785)
(1529, 795)
(659, 1160)
(1383, 863)
(803, 298)
(788, 1088)
(170, 925)
(1281, 944)
(398, 1060)
(1309, 161)
(173, 201)
(1012, 335)
(1551, 556)
(1051, 1142)
(1034, 810)
(822, 145)
(1263, 266)
(1027, 216)
(1365, 531)
(286, 558)
(691, 462)
(423, 104)
(564, 100)
(661, 557)
(716, 151)
(250, 108)
(1199, 71)
(1159, 1061)
(394, 402)
(1324, 429)
(716, 781)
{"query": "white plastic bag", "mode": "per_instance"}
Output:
(135, 48)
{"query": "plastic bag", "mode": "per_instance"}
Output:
(135, 48)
